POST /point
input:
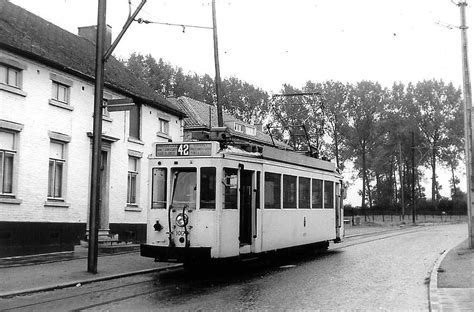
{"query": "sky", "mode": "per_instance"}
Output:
(272, 42)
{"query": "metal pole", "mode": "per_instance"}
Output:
(402, 185)
(220, 121)
(129, 21)
(97, 142)
(467, 122)
(413, 176)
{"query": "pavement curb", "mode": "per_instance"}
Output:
(433, 297)
(84, 281)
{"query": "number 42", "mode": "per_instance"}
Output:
(183, 150)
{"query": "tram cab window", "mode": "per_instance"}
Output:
(272, 190)
(158, 197)
(328, 194)
(208, 188)
(303, 193)
(317, 194)
(230, 188)
(289, 191)
(183, 188)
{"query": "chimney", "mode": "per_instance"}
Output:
(90, 33)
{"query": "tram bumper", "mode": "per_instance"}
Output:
(175, 254)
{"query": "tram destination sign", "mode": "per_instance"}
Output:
(183, 149)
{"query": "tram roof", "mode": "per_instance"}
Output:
(212, 149)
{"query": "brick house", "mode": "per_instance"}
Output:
(46, 115)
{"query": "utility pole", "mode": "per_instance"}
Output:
(413, 176)
(94, 221)
(467, 121)
(402, 185)
(220, 121)
(95, 194)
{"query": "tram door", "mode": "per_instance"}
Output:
(246, 207)
(338, 211)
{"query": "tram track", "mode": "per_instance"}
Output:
(95, 297)
(369, 237)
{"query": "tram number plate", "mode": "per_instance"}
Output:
(184, 149)
(179, 233)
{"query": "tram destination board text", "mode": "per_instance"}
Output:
(183, 149)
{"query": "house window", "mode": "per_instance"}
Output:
(164, 126)
(10, 76)
(250, 130)
(60, 92)
(134, 130)
(7, 157)
(57, 163)
(132, 188)
(239, 127)
(105, 111)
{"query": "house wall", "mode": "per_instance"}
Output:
(30, 211)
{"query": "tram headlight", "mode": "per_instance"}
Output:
(181, 220)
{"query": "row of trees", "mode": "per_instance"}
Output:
(392, 135)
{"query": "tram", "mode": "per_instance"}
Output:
(209, 202)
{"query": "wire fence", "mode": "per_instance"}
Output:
(397, 219)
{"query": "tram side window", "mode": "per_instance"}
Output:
(328, 194)
(304, 195)
(158, 197)
(272, 190)
(289, 191)
(230, 188)
(208, 188)
(317, 194)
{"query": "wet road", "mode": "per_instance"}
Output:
(388, 271)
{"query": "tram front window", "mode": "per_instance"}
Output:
(184, 188)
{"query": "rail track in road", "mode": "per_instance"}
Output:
(172, 282)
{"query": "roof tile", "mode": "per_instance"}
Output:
(28, 34)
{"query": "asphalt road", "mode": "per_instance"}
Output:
(386, 271)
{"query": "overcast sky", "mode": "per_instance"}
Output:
(272, 42)
(268, 43)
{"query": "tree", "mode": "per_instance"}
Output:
(436, 105)
(334, 96)
(365, 105)
(245, 101)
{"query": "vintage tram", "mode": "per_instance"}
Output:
(209, 202)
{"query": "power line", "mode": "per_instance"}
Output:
(144, 21)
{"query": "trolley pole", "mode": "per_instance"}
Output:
(220, 121)
(94, 207)
(467, 122)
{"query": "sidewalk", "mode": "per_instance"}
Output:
(452, 280)
(22, 275)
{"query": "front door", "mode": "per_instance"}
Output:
(246, 207)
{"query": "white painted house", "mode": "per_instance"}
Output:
(46, 115)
